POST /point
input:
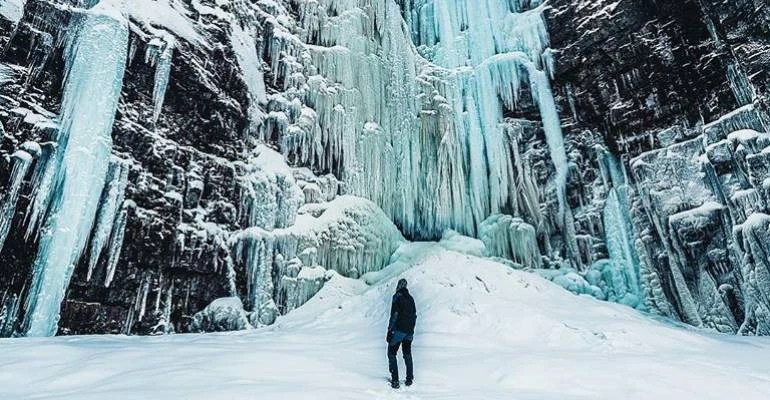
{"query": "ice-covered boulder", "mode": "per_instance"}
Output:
(350, 234)
(454, 241)
(571, 280)
(223, 314)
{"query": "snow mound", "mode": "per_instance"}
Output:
(484, 331)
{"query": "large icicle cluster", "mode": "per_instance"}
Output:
(270, 195)
(110, 223)
(421, 134)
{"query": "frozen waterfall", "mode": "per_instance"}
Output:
(412, 115)
(95, 57)
(495, 62)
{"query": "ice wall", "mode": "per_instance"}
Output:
(95, 57)
(411, 113)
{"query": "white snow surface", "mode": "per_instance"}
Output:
(168, 14)
(484, 331)
(12, 10)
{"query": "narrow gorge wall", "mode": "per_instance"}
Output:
(617, 148)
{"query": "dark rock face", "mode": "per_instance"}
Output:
(649, 77)
(645, 91)
(196, 139)
(633, 68)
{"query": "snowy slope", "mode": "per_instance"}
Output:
(485, 331)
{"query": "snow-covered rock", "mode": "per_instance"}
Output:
(224, 314)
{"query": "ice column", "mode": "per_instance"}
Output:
(255, 248)
(618, 228)
(541, 89)
(95, 57)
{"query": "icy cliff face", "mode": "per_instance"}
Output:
(242, 150)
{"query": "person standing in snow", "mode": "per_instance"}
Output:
(403, 316)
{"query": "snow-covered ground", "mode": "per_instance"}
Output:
(484, 332)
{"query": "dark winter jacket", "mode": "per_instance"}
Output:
(403, 314)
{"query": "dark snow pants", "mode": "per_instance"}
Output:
(399, 339)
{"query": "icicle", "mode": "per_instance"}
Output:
(116, 241)
(44, 184)
(109, 211)
(541, 90)
(742, 88)
(144, 290)
(160, 52)
(20, 163)
(95, 59)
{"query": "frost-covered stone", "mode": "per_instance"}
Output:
(224, 314)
